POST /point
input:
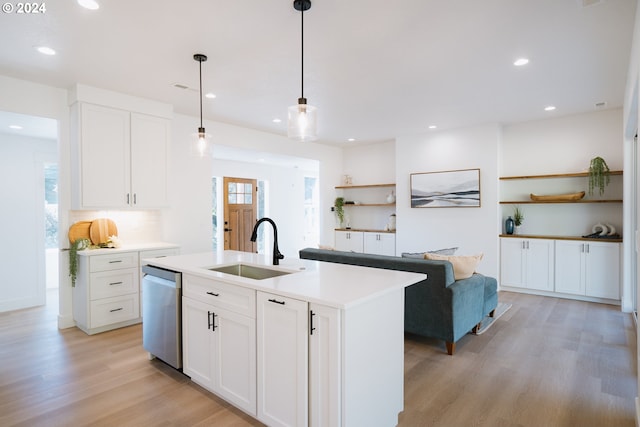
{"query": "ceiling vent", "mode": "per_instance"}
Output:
(600, 105)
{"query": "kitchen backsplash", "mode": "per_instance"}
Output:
(133, 226)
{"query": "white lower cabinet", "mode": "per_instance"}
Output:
(527, 263)
(282, 360)
(307, 364)
(350, 241)
(219, 352)
(325, 377)
(589, 269)
(380, 243)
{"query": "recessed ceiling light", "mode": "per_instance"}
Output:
(45, 50)
(549, 108)
(276, 120)
(433, 127)
(89, 4)
(520, 62)
(351, 139)
(210, 95)
(15, 127)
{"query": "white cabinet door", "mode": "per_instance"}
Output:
(150, 138)
(512, 263)
(349, 241)
(527, 263)
(234, 359)
(196, 340)
(325, 377)
(602, 270)
(219, 352)
(282, 336)
(539, 264)
(569, 276)
(104, 156)
(380, 243)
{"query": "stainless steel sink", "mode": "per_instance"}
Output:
(250, 271)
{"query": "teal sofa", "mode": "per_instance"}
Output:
(437, 307)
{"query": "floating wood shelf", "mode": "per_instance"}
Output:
(557, 175)
(531, 236)
(532, 202)
(365, 186)
(368, 204)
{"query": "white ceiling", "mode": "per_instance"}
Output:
(376, 69)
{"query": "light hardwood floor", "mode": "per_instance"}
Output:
(546, 362)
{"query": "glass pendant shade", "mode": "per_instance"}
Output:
(303, 121)
(201, 144)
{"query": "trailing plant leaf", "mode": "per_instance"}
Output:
(339, 205)
(598, 175)
(76, 246)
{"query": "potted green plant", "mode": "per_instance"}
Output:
(598, 175)
(518, 217)
(339, 209)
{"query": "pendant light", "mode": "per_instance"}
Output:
(302, 117)
(201, 146)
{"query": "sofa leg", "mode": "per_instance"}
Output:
(451, 348)
(477, 328)
(492, 313)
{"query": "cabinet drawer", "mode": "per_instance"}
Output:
(234, 298)
(115, 261)
(113, 310)
(106, 284)
(157, 253)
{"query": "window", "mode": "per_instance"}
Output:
(311, 210)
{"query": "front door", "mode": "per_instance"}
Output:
(240, 211)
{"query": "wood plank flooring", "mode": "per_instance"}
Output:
(546, 362)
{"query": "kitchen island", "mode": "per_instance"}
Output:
(302, 343)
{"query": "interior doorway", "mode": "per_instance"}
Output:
(240, 213)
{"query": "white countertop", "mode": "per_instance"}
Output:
(131, 247)
(335, 285)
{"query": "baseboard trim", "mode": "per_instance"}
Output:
(65, 322)
(637, 412)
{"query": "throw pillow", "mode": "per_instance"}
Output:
(326, 247)
(463, 266)
(420, 255)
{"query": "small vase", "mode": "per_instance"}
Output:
(516, 230)
(509, 224)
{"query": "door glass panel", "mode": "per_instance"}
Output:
(232, 198)
(232, 187)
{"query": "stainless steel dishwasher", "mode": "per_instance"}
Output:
(162, 314)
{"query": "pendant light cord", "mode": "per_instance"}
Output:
(200, 61)
(302, 50)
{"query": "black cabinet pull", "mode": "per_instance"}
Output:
(115, 261)
(211, 320)
(115, 309)
(311, 314)
(115, 283)
(213, 294)
(276, 301)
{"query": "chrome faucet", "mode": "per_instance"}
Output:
(277, 256)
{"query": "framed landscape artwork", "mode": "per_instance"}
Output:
(447, 189)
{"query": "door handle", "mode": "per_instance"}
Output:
(227, 229)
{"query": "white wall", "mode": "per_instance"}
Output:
(22, 188)
(34, 99)
(473, 230)
(285, 204)
(188, 220)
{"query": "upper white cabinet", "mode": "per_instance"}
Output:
(119, 152)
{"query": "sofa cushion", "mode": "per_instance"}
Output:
(420, 255)
(463, 266)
